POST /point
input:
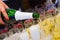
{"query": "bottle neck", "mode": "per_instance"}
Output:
(35, 15)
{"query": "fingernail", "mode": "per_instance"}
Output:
(7, 18)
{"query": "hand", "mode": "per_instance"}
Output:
(50, 11)
(3, 6)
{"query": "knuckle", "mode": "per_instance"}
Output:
(3, 10)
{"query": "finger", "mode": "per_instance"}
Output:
(1, 22)
(5, 5)
(4, 13)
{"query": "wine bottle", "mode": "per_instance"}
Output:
(17, 15)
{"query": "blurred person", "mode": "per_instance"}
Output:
(53, 4)
(50, 6)
(56, 2)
